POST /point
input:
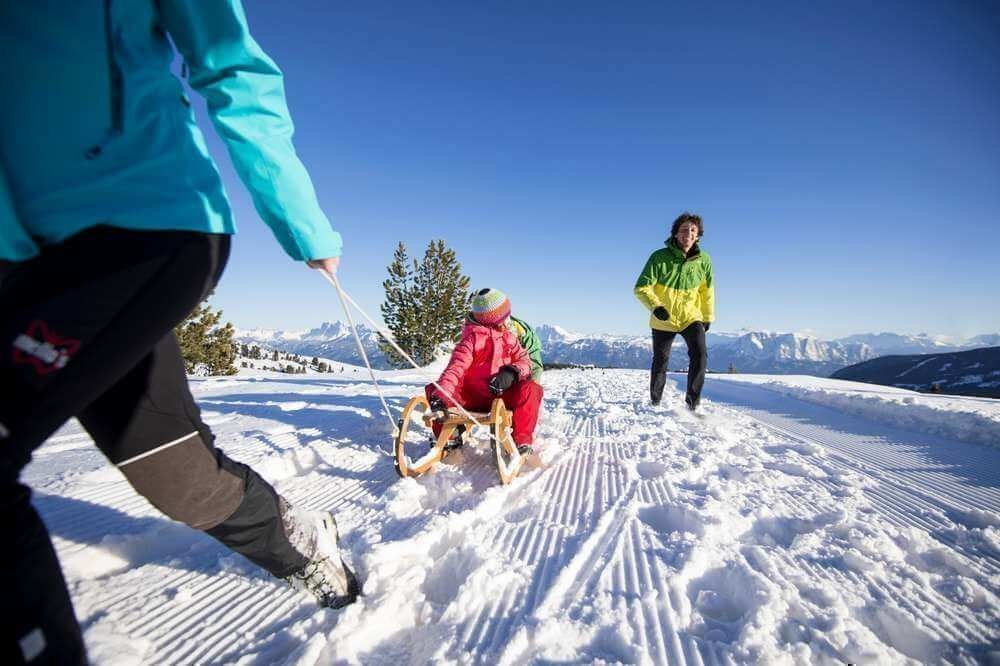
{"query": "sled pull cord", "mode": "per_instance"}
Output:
(346, 298)
(361, 349)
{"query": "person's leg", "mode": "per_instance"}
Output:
(149, 426)
(662, 341)
(75, 319)
(40, 626)
(694, 336)
(524, 399)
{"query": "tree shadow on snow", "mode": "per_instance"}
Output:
(334, 416)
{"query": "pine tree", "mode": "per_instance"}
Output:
(444, 298)
(400, 308)
(425, 303)
(205, 343)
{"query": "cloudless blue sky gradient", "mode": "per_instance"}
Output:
(845, 157)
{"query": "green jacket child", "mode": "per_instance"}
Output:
(529, 340)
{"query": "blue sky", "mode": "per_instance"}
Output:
(844, 156)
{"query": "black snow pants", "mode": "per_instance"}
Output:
(86, 330)
(694, 336)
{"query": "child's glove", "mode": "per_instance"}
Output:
(708, 325)
(661, 313)
(437, 404)
(503, 380)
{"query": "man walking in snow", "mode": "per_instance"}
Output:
(113, 226)
(676, 286)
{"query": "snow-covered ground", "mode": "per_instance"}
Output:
(794, 521)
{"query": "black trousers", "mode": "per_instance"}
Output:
(694, 336)
(87, 331)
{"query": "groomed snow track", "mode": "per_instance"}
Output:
(768, 529)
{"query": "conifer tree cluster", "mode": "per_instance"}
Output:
(425, 303)
(289, 363)
(206, 345)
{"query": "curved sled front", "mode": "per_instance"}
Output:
(418, 406)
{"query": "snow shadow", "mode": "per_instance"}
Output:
(905, 450)
(126, 541)
(334, 415)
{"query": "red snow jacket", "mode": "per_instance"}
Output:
(479, 354)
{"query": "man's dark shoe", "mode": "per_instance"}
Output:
(525, 450)
(692, 403)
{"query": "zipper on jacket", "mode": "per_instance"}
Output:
(117, 83)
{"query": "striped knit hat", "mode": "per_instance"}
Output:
(490, 307)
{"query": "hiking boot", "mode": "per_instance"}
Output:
(325, 576)
(525, 450)
(692, 403)
(456, 440)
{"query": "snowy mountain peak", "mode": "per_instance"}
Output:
(549, 333)
(334, 331)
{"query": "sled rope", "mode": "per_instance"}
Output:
(361, 349)
(346, 298)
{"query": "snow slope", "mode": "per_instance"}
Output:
(773, 528)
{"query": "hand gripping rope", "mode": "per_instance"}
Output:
(345, 298)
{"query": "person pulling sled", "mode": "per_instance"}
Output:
(114, 225)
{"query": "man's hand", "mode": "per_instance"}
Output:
(661, 313)
(503, 380)
(330, 264)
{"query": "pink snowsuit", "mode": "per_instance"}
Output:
(479, 354)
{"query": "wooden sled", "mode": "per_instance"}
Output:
(508, 460)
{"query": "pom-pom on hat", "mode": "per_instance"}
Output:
(490, 307)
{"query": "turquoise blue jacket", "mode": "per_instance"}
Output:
(96, 129)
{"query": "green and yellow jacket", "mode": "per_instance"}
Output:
(529, 340)
(681, 284)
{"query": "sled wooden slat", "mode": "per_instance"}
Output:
(456, 417)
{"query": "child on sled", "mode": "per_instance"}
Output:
(489, 362)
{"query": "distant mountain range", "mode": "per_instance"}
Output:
(974, 372)
(746, 351)
(332, 341)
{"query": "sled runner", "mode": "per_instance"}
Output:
(508, 460)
